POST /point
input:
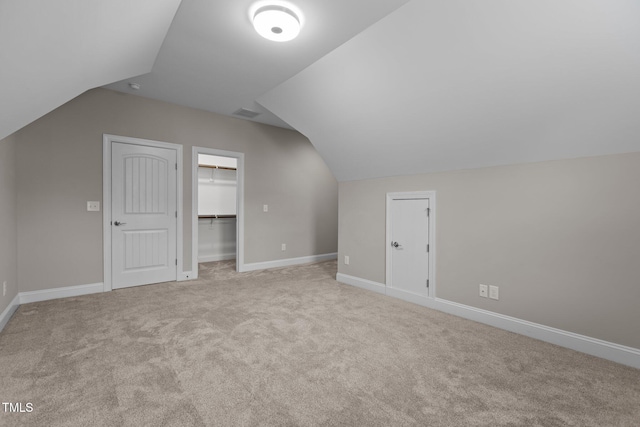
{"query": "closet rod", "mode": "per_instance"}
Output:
(216, 216)
(217, 167)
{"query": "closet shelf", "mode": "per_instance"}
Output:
(218, 167)
(216, 216)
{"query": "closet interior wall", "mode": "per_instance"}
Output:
(217, 191)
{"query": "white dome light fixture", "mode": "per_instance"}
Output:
(276, 23)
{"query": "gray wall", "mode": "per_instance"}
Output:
(8, 221)
(561, 239)
(59, 161)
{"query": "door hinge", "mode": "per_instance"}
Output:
(428, 211)
(176, 261)
(176, 166)
(427, 248)
(176, 214)
(427, 283)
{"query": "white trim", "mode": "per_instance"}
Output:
(185, 275)
(431, 196)
(289, 261)
(410, 297)
(361, 283)
(106, 199)
(239, 205)
(604, 349)
(64, 292)
(219, 257)
(607, 350)
(8, 312)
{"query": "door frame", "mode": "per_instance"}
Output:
(107, 140)
(413, 195)
(195, 151)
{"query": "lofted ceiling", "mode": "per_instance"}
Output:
(390, 87)
(445, 85)
(52, 51)
(213, 59)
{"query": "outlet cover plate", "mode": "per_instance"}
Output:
(494, 292)
(483, 291)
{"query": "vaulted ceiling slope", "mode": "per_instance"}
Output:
(214, 60)
(52, 51)
(445, 85)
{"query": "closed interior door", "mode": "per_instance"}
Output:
(143, 215)
(410, 245)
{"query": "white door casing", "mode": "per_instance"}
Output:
(142, 212)
(410, 248)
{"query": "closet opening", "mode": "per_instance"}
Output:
(217, 207)
(217, 184)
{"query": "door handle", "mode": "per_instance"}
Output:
(396, 245)
(117, 223)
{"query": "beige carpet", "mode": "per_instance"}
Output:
(291, 347)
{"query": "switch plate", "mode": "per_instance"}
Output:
(346, 260)
(284, 246)
(483, 291)
(265, 208)
(4, 288)
(493, 292)
(93, 206)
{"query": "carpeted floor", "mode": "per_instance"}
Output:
(291, 347)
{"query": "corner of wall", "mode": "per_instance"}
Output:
(8, 230)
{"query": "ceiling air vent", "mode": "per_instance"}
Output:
(243, 112)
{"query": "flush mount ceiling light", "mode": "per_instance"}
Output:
(276, 23)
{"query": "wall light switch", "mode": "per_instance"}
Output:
(93, 206)
(265, 208)
(493, 292)
(284, 246)
(346, 260)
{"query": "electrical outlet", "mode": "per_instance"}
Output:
(284, 246)
(265, 208)
(346, 260)
(4, 288)
(493, 292)
(483, 291)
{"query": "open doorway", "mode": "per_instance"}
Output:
(217, 227)
(217, 182)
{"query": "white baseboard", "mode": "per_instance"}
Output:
(8, 312)
(65, 292)
(186, 275)
(607, 350)
(220, 257)
(361, 283)
(287, 262)
(416, 299)
(604, 349)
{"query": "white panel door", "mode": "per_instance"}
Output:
(143, 215)
(410, 245)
